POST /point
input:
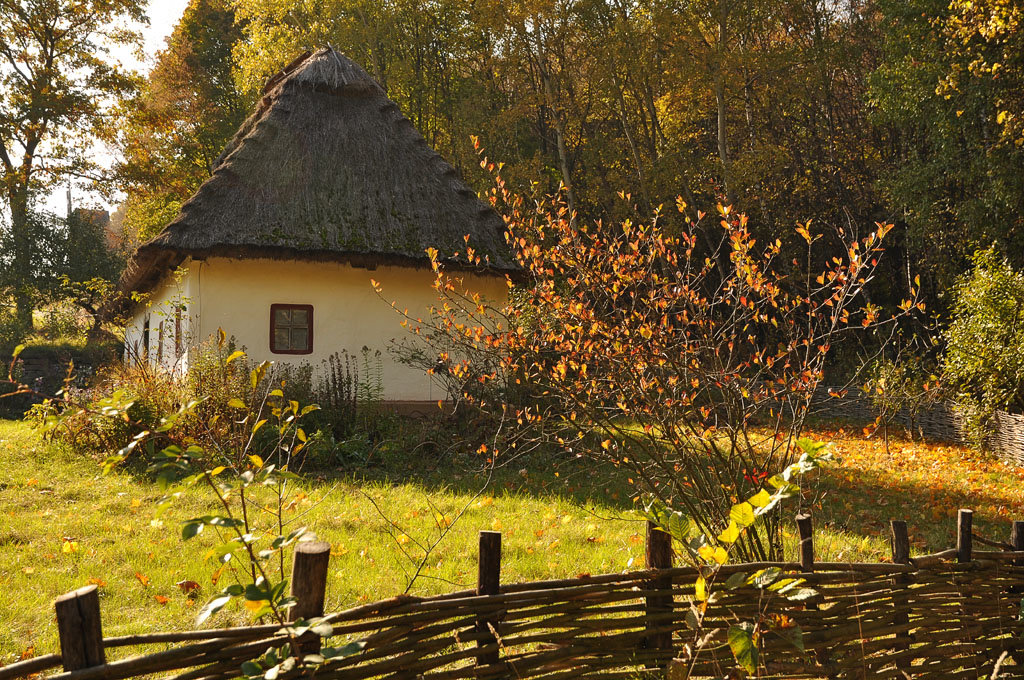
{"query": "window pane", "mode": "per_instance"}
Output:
(299, 317)
(300, 339)
(281, 316)
(281, 339)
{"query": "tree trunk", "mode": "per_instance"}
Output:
(723, 142)
(556, 117)
(723, 117)
(22, 265)
(624, 121)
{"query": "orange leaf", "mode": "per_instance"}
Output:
(187, 586)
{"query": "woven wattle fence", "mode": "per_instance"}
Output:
(955, 614)
(940, 421)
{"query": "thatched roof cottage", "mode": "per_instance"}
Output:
(324, 187)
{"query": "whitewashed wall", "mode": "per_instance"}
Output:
(236, 295)
(161, 309)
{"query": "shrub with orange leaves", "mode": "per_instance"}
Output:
(689, 358)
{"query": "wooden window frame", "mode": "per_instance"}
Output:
(177, 332)
(283, 306)
(160, 343)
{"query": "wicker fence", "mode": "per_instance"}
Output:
(956, 614)
(939, 421)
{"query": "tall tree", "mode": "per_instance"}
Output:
(57, 79)
(180, 121)
(949, 86)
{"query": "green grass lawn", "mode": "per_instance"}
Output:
(63, 524)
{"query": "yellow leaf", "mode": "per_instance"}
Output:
(730, 534)
(255, 605)
(700, 589)
(69, 547)
(256, 460)
(760, 499)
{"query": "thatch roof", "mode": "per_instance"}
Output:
(327, 168)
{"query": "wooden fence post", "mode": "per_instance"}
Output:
(79, 628)
(488, 583)
(309, 587)
(901, 555)
(1017, 536)
(658, 555)
(964, 525)
(806, 531)
(1017, 543)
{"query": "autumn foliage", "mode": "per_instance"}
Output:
(687, 358)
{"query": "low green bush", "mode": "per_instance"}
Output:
(349, 429)
(984, 360)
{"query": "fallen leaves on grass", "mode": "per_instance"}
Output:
(924, 483)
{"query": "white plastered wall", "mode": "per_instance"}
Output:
(236, 295)
(170, 310)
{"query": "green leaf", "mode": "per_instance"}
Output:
(323, 629)
(741, 642)
(764, 577)
(742, 514)
(341, 652)
(801, 594)
(191, 530)
(785, 584)
(252, 669)
(692, 622)
(794, 635)
(212, 607)
(736, 580)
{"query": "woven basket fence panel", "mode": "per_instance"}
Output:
(866, 621)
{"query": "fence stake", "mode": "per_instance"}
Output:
(1017, 536)
(964, 523)
(806, 531)
(309, 587)
(79, 628)
(658, 555)
(488, 583)
(901, 555)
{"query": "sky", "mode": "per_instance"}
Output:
(163, 15)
